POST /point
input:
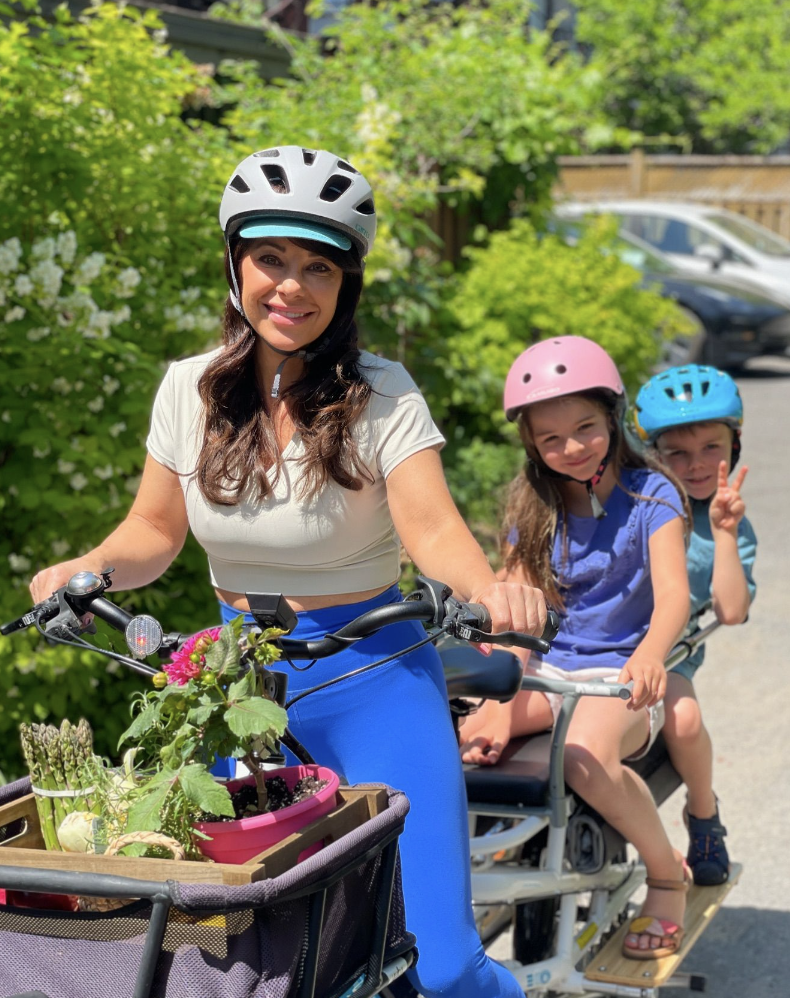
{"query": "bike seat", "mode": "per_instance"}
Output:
(520, 777)
(522, 774)
(467, 673)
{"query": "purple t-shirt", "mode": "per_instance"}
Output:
(609, 599)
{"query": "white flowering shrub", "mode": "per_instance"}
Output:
(110, 266)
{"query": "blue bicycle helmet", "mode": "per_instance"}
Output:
(692, 393)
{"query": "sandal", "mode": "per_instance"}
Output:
(659, 928)
(707, 855)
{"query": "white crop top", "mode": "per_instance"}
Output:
(340, 541)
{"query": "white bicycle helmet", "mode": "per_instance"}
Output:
(303, 193)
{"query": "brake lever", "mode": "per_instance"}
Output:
(508, 638)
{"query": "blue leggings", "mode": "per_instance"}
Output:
(392, 725)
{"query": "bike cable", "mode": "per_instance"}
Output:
(431, 637)
(140, 667)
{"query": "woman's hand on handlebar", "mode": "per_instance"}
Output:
(649, 678)
(513, 607)
(44, 583)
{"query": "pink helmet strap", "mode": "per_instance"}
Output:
(597, 509)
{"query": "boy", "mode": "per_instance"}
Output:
(692, 416)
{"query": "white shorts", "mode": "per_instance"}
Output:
(655, 714)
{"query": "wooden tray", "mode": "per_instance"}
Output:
(610, 966)
(26, 847)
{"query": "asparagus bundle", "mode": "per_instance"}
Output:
(56, 759)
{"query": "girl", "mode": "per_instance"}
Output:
(602, 533)
(298, 462)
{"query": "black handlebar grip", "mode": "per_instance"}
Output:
(482, 614)
(108, 612)
(552, 628)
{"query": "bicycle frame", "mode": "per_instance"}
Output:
(495, 883)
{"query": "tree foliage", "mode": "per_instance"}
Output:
(711, 71)
(110, 265)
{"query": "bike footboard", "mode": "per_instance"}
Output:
(316, 930)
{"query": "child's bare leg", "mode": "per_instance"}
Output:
(601, 734)
(691, 753)
(689, 745)
(485, 734)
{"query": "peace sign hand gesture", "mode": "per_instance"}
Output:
(727, 508)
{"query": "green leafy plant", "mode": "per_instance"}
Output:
(208, 702)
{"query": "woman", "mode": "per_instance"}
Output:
(300, 464)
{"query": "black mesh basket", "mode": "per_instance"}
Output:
(327, 925)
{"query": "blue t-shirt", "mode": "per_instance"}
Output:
(700, 567)
(605, 576)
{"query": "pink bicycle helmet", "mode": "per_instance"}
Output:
(563, 365)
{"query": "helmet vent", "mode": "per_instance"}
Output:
(267, 154)
(670, 393)
(705, 387)
(308, 156)
(526, 378)
(239, 185)
(334, 187)
(688, 391)
(278, 181)
(366, 208)
(561, 369)
(343, 165)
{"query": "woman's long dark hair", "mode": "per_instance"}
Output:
(239, 453)
(535, 506)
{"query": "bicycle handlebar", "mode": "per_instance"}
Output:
(61, 618)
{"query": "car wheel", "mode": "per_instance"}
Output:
(694, 347)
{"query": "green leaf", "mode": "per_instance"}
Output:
(145, 814)
(144, 721)
(256, 716)
(203, 791)
(223, 656)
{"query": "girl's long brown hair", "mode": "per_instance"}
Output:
(239, 453)
(535, 506)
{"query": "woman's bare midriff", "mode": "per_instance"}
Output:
(239, 601)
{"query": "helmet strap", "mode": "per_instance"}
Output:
(597, 509)
(736, 449)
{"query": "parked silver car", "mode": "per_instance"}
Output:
(702, 240)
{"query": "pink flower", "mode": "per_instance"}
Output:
(180, 669)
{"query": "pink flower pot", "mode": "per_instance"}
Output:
(240, 840)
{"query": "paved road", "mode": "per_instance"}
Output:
(744, 690)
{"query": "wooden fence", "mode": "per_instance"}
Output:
(755, 186)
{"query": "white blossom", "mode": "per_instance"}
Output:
(34, 335)
(19, 563)
(42, 452)
(65, 467)
(133, 484)
(90, 268)
(122, 314)
(47, 276)
(111, 385)
(96, 405)
(6, 416)
(67, 247)
(15, 313)
(10, 255)
(159, 35)
(61, 386)
(190, 295)
(59, 548)
(116, 429)
(23, 285)
(127, 281)
(104, 473)
(78, 481)
(99, 325)
(43, 249)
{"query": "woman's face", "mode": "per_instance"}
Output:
(571, 435)
(289, 294)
